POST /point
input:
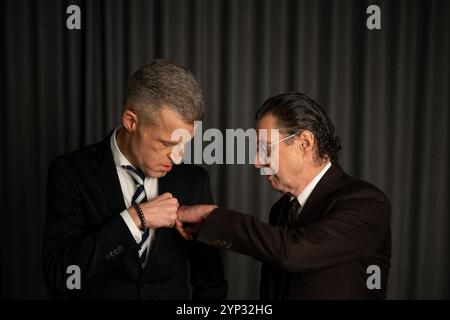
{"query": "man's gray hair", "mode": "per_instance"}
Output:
(164, 83)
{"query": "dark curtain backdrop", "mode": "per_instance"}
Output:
(387, 92)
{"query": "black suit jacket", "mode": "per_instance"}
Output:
(343, 228)
(84, 228)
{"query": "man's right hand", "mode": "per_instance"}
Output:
(160, 212)
(196, 213)
(190, 219)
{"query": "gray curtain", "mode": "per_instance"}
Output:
(386, 90)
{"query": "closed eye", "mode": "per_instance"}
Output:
(168, 144)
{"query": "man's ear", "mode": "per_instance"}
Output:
(306, 140)
(129, 120)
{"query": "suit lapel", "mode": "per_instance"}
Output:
(317, 201)
(275, 279)
(280, 212)
(313, 209)
(109, 180)
(164, 185)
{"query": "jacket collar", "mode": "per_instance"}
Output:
(318, 200)
(107, 175)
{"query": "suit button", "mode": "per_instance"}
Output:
(217, 242)
(116, 252)
(120, 248)
(228, 246)
(223, 244)
(108, 256)
(144, 286)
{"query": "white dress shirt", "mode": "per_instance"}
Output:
(129, 186)
(304, 195)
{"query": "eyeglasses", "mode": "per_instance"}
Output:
(266, 147)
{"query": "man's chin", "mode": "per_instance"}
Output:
(274, 183)
(156, 174)
(160, 174)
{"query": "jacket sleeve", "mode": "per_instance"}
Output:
(207, 275)
(67, 243)
(353, 229)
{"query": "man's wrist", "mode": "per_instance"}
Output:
(140, 213)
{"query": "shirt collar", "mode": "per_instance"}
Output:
(304, 195)
(119, 158)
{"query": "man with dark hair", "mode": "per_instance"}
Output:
(328, 236)
(112, 205)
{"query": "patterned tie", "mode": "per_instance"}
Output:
(139, 196)
(294, 210)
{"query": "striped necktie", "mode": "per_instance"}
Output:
(139, 196)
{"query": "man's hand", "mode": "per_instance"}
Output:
(195, 214)
(160, 212)
(190, 219)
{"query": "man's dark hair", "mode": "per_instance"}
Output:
(296, 112)
(164, 83)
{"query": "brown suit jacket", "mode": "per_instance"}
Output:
(343, 229)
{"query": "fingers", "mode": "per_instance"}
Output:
(173, 201)
(171, 217)
(181, 231)
(161, 211)
(195, 214)
(167, 198)
(165, 210)
(165, 195)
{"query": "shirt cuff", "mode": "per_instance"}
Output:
(137, 234)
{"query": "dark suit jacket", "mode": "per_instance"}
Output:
(84, 228)
(343, 228)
